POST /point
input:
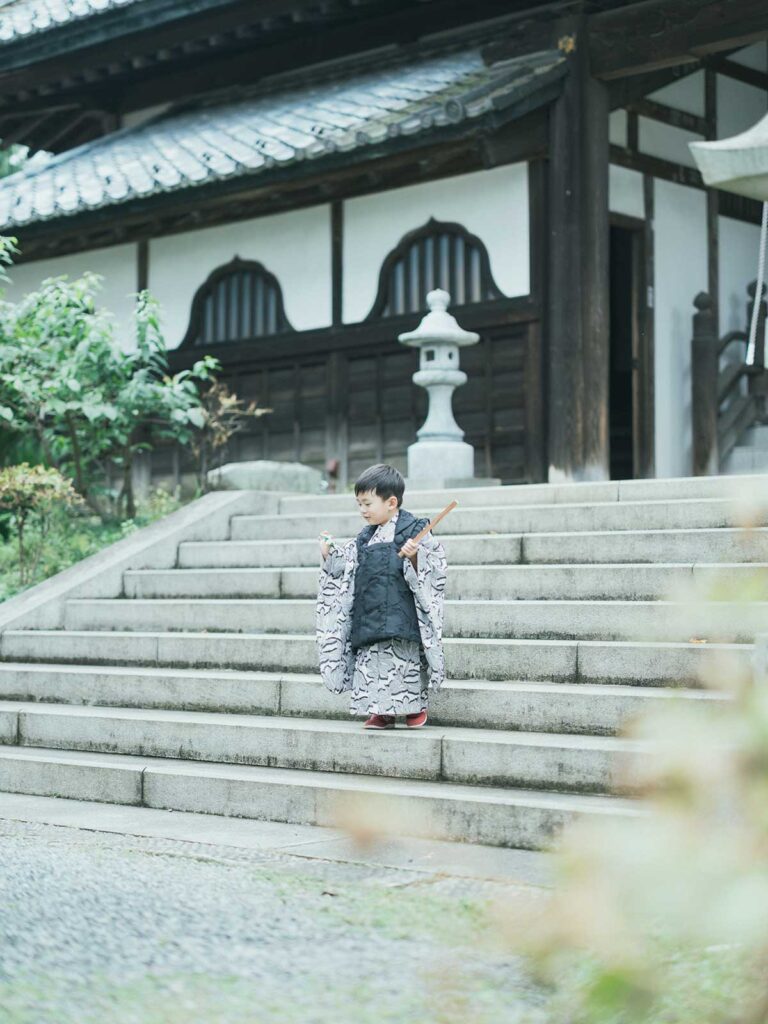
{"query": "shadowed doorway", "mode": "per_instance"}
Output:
(631, 355)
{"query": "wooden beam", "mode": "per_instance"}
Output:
(66, 130)
(11, 107)
(578, 310)
(656, 167)
(660, 33)
(669, 115)
(19, 133)
(633, 131)
(739, 72)
(624, 91)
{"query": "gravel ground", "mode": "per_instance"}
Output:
(116, 929)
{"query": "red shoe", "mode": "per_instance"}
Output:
(416, 721)
(380, 722)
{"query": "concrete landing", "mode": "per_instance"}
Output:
(433, 857)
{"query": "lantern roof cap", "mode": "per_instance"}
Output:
(439, 326)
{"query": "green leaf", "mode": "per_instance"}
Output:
(196, 417)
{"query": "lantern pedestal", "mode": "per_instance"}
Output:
(440, 457)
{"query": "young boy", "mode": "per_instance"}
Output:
(379, 615)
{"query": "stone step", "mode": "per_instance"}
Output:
(747, 459)
(544, 494)
(485, 757)
(756, 436)
(476, 814)
(589, 620)
(651, 664)
(648, 515)
(480, 582)
(597, 709)
(644, 546)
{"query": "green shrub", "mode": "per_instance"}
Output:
(33, 495)
(71, 535)
(69, 387)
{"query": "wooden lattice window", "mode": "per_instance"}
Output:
(437, 255)
(239, 301)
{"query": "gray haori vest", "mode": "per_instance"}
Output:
(383, 608)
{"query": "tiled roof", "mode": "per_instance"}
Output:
(248, 135)
(20, 19)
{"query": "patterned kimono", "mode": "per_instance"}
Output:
(391, 677)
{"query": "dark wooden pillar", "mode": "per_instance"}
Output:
(142, 265)
(758, 374)
(578, 308)
(337, 262)
(704, 386)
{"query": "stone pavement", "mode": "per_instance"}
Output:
(136, 915)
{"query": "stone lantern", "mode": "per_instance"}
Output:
(441, 457)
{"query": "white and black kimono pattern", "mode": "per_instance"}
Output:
(392, 677)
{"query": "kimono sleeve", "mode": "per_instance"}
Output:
(427, 582)
(333, 618)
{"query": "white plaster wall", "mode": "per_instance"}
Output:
(294, 246)
(739, 106)
(117, 265)
(754, 56)
(686, 94)
(625, 192)
(491, 204)
(617, 128)
(666, 142)
(738, 266)
(680, 253)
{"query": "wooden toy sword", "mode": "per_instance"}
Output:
(423, 533)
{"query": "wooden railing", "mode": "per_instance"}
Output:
(729, 383)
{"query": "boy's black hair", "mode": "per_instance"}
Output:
(383, 480)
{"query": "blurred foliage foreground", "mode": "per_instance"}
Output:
(664, 917)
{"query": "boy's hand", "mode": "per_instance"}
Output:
(325, 548)
(408, 550)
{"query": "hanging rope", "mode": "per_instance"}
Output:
(758, 289)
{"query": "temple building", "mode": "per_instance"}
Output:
(290, 178)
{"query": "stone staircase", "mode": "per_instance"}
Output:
(196, 689)
(751, 454)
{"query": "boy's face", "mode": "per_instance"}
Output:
(376, 510)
